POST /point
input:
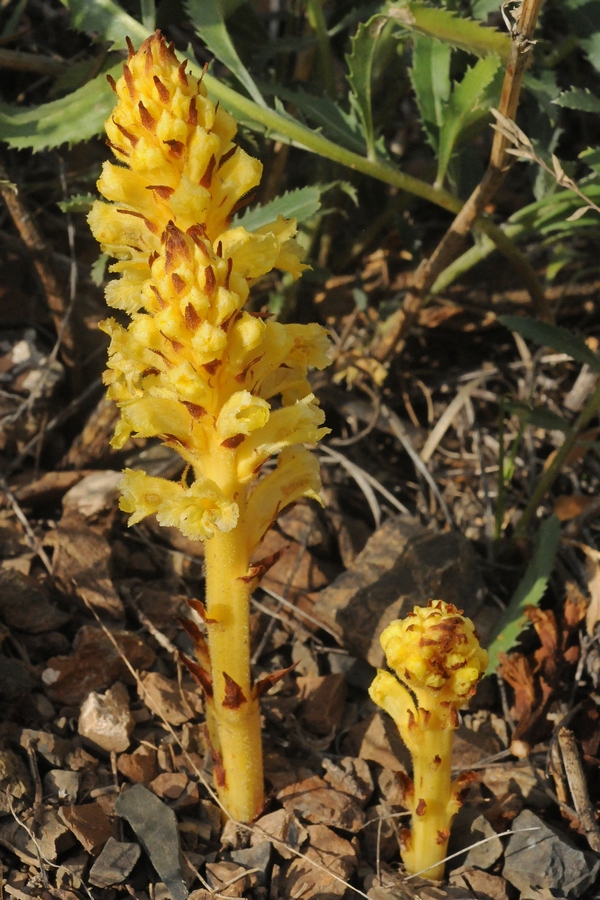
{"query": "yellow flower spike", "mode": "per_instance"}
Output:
(196, 370)
(435, 653)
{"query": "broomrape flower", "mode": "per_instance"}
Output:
(435, 653)
(226, 388)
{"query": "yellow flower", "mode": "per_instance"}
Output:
(196, 370)
(436, 648)
(435, 652)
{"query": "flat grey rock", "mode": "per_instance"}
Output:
(115, 863)
(256, 857)
(402, 566)
(547, 858)
(155, 826)
(468, 829)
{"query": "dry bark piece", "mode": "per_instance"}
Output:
(376, 739)
(90, 825)
(469, 828)
(333, 854)
(165, 698)
(82, 565)
(48, 489)
(482, 885)
(115, 863)
(379, 838)
(95, 665)
(15, 783)
(229, 879)
(24, 604)
(105, 720)
(401, 566)
(140, 766)
(302, 522)
(351, 776)
(323, 701)
(53, 835)
(258, 856)
(169, 785)
(297, 571)
(54, 749)
(16, 679)
(283, 829)
(94, 494)
(315, 801)
(62, 784)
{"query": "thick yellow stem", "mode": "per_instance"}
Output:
(434, 803)
(236, 707)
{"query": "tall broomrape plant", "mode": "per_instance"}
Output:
(435, 653)
(224, 387)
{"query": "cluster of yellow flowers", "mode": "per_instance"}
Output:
(437, 660)
(225, 387)
(194, 368)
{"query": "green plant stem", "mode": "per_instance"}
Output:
(548, 477)
(471, 257)
(299, 135)
(500, 499)
(148, 9)
(318, 24)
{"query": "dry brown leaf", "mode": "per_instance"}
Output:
(579, 450)
(567, 507)
(593, 582)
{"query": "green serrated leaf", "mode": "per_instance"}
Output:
(584, 19)
(300, 204)
(209, 24)
(98, 269)
(78, 203)
(529, 592)
(440, 23)
(74, 118)
(554, 336)
(482, 8)
(430, 77)
(579, 98)
(469, 103)
(591, 157)
(333, 121)
(539, 416)
(106, 19)
(360, 66)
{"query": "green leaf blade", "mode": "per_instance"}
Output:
(439, 23)
(300, 204)
(560, 339)
(469, 103)
(360, 67)
(209, 24)
(430, 78)
(106, 19)
(74, 118)
(529, 592)
(580, 99)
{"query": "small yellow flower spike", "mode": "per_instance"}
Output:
(435, 652)
(224, 387)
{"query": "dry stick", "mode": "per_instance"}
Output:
(577, 785)
(41, 255)
(452, 243)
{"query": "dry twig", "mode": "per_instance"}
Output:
(452, 243)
